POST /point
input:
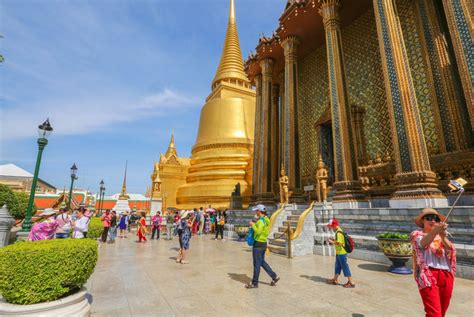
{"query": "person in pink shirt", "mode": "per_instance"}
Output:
(156, 225)
(46, 229)
(106, 219)
(64, 223)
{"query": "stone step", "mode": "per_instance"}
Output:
(293, 218)
(293, 223)
(278, 242)
(283, 229)
(277, 249)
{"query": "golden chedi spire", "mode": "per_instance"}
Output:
(222, 154)
(123, 194)
(171, 147)
(231, 66)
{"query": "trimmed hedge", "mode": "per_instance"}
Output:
(41, 271)
(95, 228)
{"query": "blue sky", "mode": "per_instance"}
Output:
(114, 77)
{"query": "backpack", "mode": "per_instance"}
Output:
(250, 235)
(349, 244)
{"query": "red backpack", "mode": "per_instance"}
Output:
(349, 244)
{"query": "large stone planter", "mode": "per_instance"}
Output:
(399, 252)
(241, 232)
(75, 305)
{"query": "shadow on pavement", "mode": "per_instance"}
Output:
(315, 278)
(374, 267)
(242, 278)
(174, 249)
(358, 315)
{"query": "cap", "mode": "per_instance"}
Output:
(259, 207)
(332, 223)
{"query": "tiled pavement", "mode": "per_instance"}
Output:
(134, 279)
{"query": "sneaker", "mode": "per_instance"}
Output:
(222, 240)
(274, 281)
(250, 285)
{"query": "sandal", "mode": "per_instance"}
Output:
(348, 285)
(331, 281)
(178, 261)
(184, 262)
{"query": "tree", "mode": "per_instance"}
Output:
(17, 202)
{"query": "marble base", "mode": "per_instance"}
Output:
(350, 204)
(75, 305)
(121, 206)
(156, 205)
(418, 203)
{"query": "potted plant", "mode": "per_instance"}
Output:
(46, 277)
(397, 247)
(241, 231)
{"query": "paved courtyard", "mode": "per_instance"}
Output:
(134, 279)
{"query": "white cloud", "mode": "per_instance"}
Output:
(82, 116)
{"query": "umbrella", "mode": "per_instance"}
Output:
(210, 210)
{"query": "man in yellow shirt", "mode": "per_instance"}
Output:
(341, 255)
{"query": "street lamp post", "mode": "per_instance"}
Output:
(101, 196)
(44, 131)
(73, 178)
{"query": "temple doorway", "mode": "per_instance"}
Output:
(326, 149)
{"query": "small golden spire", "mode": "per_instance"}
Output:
(123, 195)
(171, 147)
(231, 65)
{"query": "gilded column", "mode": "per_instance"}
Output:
(257, 138)
(266, 65)
(452, 110)
(275, 138)
(291, 155)
(416, 183)
(459, 16)
(347, 185)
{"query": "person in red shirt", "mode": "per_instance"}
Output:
(106, 219)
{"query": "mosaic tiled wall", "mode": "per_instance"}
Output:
(365, 88)
(407, 14)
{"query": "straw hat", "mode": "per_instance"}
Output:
(428, 211)
(185, 213)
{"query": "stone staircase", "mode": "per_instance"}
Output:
(278, 243)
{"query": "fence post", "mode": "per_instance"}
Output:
(288, 232)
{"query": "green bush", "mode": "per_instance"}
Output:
(394, 235)
(17, 202)
(41, 271)
(95, 228)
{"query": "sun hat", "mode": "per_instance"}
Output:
(185, 213)
(332, 223)
(47, 212)
(425, 212)
(259, 207)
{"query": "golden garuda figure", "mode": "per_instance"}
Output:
(284, 193)
(321, 181)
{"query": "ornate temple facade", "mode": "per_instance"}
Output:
(382, 90)
(169, 173)
(222, 154)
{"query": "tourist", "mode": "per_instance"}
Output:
(261, 229)
(106, 218)
(88, 215)
(81, 225)
(207, 223)
(155, 225)
(123, 222)
(64, 223)
(129, 222)
(220, 222)
(45, 227)
(184, 233)
(435, 265)
(196, 223)
(341, 255)
(142, 229)
(213, 222)
(169, 226)
(201, 220)
(113, 227)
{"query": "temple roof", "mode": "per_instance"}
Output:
(171, 148)
(231, 65)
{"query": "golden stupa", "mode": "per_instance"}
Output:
(223, 152)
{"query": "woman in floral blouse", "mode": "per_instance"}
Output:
(435, 262)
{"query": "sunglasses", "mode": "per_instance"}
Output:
(432, 217)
